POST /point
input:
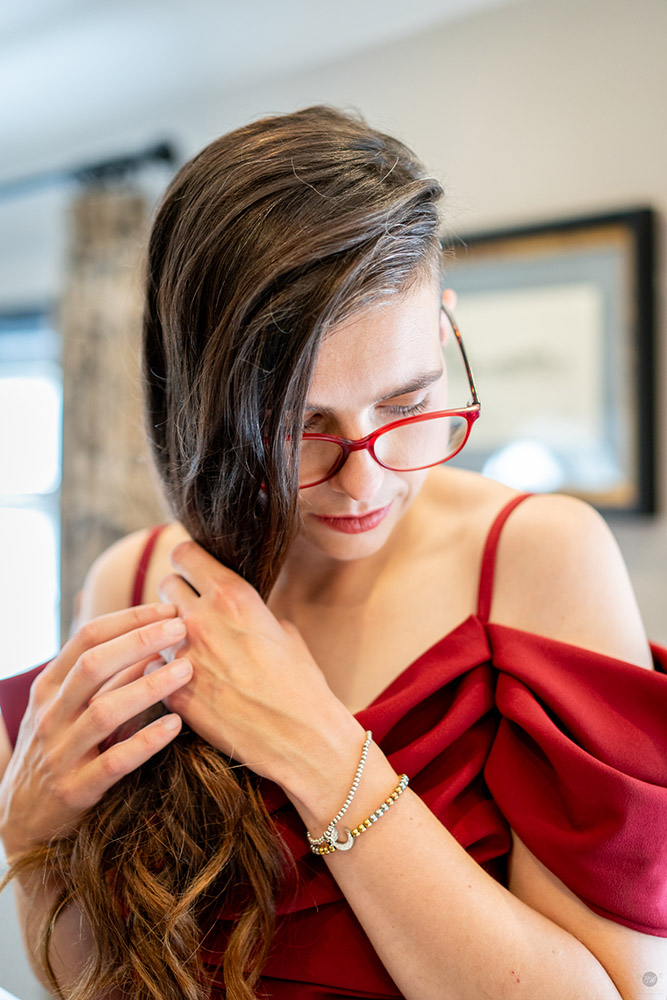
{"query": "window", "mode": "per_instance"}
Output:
(30, 472)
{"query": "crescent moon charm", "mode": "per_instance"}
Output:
(342, 845)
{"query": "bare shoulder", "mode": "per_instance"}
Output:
(560, 573)
(466, 503)
(108, 583)
(456, 513)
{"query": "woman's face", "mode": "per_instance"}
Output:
(364, 378)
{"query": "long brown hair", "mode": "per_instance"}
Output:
(264, 241)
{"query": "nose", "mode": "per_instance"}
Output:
(360, 478)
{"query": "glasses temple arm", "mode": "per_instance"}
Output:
(459, 339)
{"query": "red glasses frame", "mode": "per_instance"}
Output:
(470, 413)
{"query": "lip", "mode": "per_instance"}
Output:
(355, 525)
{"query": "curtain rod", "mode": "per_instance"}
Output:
(92, 173)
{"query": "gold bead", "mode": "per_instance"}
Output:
(329, 848)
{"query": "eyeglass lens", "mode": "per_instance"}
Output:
(411, 446)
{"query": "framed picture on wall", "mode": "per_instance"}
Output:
(558, 320)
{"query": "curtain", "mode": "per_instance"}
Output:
(108, 485)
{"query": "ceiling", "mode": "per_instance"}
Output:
(77, 67)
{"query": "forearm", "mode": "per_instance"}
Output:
(443, 928)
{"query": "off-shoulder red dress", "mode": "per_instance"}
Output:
(496, 728)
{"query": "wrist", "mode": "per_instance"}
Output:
(13, 847)
(14, 841)
(327, 749)
(322, 791)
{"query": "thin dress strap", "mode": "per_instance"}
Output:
(489, 558)
(142, 566)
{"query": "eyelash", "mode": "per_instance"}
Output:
(400, 411)
(408, 411)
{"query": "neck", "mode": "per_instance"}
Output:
(310, 577)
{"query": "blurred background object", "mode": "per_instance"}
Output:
(563, 317)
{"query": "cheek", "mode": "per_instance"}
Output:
(307, 499)
(313, 500)
(414, 481)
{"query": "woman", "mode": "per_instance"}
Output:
(200, 789)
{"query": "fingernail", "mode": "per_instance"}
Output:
(174, 626)
(170, 722)
(181, 668)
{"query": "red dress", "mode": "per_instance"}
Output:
(496, 728)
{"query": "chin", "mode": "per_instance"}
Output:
(351, 551)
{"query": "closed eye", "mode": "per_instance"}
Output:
(400, 411)
(408, 411)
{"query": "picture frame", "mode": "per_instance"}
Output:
(558, 321)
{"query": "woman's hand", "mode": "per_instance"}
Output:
(64, 761)
(256, 692)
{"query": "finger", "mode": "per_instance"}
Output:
(177, 591)
(196, 566)
(130, 674)
(113, 709)
(97, 665)
(103, 629)
(100, 774)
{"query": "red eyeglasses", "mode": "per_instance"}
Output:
(405, 445)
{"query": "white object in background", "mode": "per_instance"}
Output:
(4, 995)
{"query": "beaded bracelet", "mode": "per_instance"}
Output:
(332, 825)
(333, 844)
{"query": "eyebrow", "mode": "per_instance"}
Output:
(421, 381)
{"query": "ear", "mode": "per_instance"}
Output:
(449, 298)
